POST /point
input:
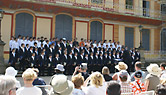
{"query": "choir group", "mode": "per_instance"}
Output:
(45, 54)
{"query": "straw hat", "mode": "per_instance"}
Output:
(61, 86)
(10, 71)
(121, 66)
(154, 69)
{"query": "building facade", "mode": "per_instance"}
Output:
(116, 20)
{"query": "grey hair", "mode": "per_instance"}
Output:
(6, 84)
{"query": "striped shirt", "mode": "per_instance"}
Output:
(125, 87)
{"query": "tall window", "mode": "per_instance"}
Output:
(96, 30)
(146, 39)
(146, 8)
(24, 24)
(63, 26)
(129, 37)
(163, 39)
(129, 4)
(163, 9)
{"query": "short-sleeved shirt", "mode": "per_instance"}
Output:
(138, 87)
(78, 92)
(153, 81)
(29, 91)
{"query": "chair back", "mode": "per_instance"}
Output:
(130, 93)
(147, 93)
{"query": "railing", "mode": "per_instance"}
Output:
(108, 5)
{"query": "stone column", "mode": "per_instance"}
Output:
(2, 64)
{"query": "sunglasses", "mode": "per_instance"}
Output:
(13, 89)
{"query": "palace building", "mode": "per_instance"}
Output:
(116, 20)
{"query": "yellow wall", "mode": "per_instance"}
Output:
(109, 3)
(108, 32)
(43, 27)
(122, 8)
(137, 37)
(81, 30)
(122, 34)
(6, 31)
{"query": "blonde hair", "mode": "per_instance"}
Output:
(96, 79)
(29, 74)
(6, 84)
(105, 70)
(78, 80)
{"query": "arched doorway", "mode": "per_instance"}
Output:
(63, 26)
(163, 39)
(24, 24)
(96, 30)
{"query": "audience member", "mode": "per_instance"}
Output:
(82, 69)
(39, 81)
(120, 66)
(152, 79)
(78, 81)
(10, 71)
(106, 74)
(7, 85)
(160, 89)
(138, 68)
(61, 86)
(163, 73)
(137, 85)
(113, 88)
(28, 77)
(59, 69)
(97, 84)
(125, 86)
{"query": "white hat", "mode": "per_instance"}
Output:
(154, 69)
(60, 67)
(10, 71)
(121, 66)
(61, 86)
(83, 66)
(64, 39)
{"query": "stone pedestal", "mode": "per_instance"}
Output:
(142, 59)
(2, 64)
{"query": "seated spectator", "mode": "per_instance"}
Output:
(160, 90)
(39, 81)
(137, 85)
(10, 71)
(61, 86)
(7, 85)
(138, 68)
(28, 77)
(59, 69)
(125, 86)
(106, 74)
(163, 73)
(152, 79)
(78, 81)
(82, 69)
(113, 88)
(120, 66)
(97, 85)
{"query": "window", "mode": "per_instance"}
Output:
(129, 4)
(129, 37)
(163, 9)
(97, 1)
